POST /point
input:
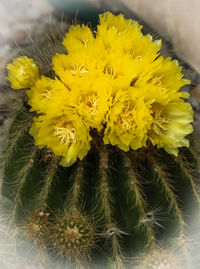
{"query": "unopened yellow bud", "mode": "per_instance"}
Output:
(22, 73)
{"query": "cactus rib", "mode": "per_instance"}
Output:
(136, 191)
(184, 165)
(105, 202)
(48, 179)
(164, 178)
(21, 180)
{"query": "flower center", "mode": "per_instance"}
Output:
(91, 103)
(131, 53)
(78, 70)
(155, 81)
(125, 119)
(160, 123)
(65, 131)
(110, 71)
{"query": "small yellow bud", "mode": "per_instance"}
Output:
(22, 73)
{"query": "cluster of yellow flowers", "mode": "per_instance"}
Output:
(113, 80)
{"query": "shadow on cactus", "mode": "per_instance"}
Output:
(104, 142)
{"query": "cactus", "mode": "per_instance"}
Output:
(104, 210)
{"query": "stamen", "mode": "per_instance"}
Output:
(66, 133)
(139, 57)
(110, 71)
(132, 54)
(126, 119)
(156, 81)
(78, 70)
(85, 41)
(159, 123)
(47, 92)
(91, 103)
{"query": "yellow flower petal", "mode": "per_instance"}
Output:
(45, 92)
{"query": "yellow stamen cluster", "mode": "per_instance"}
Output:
(114, 81)
(65, 131)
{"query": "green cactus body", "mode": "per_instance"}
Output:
(112, 204)
(103, 206)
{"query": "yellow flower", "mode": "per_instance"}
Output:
(164, 73)
(124, 36)
(44, 90)
(171, 124)
(22, 73)
(65, 134)
(119, 22)
(172, 116)
(91, 100)
(70, 67)
(116, 27)
(77, 38)
(128, 121)
(113, 80)
(80, 64)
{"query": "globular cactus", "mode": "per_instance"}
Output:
(98, 164)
